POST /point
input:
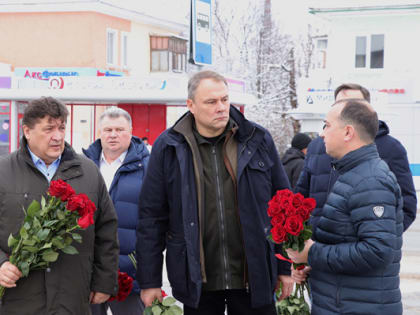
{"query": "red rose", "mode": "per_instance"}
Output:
(85, 221)
(286, 203)
(309, 204)
(297, 200)
(125, 285)
(290, 210)
(285, 193)
(274, 208)
(82, 204)
(163, 293)
(279, 234)
(60, 189)
(278, 219)
(293, 225)
(303, 213)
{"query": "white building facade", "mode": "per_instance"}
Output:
(374, 45)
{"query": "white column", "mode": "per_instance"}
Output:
(13, 126)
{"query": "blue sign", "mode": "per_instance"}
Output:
(201, 32)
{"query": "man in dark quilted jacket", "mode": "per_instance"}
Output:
(356, 248)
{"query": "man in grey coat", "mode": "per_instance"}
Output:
(73, 281)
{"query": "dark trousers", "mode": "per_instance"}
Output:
(132, 305)
(238, 302)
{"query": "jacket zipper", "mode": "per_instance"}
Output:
(222, 220)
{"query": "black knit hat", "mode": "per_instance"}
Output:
(301, 141)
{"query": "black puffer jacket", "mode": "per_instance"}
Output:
(293, 161)
(356, 256)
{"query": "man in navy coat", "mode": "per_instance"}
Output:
(122, 159)
(204, 200)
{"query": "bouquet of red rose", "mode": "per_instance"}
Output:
(289, 214)
(49, 227)
(125, 285)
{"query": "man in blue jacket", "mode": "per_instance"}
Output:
(356, 252)
(122, 159)
(318, 176)
(204, 199)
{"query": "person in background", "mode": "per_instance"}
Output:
(356, 249)
(294, 157)
(122, 159)
(204, 199)
(73, 281)
(146, 142)
(318, 176)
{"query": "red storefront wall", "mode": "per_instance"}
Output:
(149, 120)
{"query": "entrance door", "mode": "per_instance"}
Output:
(149, 120)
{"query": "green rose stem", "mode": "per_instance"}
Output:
(12, 261)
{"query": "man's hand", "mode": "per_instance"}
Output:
(287, 286)
(149, 295)
(98, 297)
(300, 276)
(9, 274)
(300, 257)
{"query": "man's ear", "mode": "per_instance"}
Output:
(190, 105)
(26, 130)
(349, 133)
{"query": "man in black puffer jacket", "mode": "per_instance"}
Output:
(355, 258)
(318, 176)
(294, 157)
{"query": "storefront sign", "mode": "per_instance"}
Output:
(46, 73)
(110, 83)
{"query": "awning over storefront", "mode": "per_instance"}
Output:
(149, 90)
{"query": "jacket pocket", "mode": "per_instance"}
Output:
(177, 266)
(258, 173)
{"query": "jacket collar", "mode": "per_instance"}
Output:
(243, 127)
(69, 160)
(136, 151)
(356, 157)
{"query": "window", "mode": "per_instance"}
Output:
(124, 50)
(375, 59)
(111, 47)
(168, 53)
(321, 53)
(377, 51)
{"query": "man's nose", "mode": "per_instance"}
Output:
(221, 106)
(58, 135)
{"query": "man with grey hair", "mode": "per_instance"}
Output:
(122, 159)
(204, 199)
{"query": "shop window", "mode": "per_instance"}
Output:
(168, 53)
(111, 47)
(370, 51)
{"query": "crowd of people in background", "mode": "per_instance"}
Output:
(201, 195)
